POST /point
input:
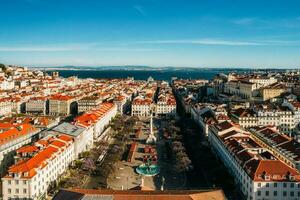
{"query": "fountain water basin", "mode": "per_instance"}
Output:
(148, 170)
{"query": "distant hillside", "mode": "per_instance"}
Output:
(152, 68)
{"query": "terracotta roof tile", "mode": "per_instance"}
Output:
(16, 132)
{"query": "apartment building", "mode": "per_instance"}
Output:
(206, 114)
(17, 105)
(204, 118)
(166, 105)
(268, 114)
(97, 119)
(187, 92)
(5, 107)
(82, 137)
(7, 84)
(241, 88)
(122, 103)
(21, 83)
(12, 137)
(165, 101)
(294, 106)
(61, 105)
(37, 167)
(257, 171)
(282, 147)
(272, 91)
(280, 116)
(263, 81)
(88, 103)
(245, 117)
(141, 106)
(37, 105)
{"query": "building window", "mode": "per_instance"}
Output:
(17, 191)
(284, 185)
(24, 191)
(267, 193)
(258, 193)
(9, 191)
(9, 182)
(259, 184)
(275, 184)
(292, 185)
(284, 193)
(275, 193)
(292, 194)
(267, 185)
(17, 182)
(24, 182)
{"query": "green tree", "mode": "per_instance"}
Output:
(2, 66)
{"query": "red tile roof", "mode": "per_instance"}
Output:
(57, 143)
(77, 194)
(224, 125)
(119, 98)
(259, 166)
(16, 132)
(38, 98)
(28, 149)
(60, 97)
(65, 138)
(93, 116)
(276, 170)
(39, 160)
(139, 101)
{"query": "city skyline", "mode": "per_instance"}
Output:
(260, 34)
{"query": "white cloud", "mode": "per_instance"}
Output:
(78, 47)
(125, 49)
(267, 23)
(48, 48)
(222, 42)
(204, 41)
(36, 49)
(142, 45)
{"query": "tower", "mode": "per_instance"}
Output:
(55, 74)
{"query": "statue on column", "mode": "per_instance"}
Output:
(151, 138)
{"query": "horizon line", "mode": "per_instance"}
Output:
(166, 66)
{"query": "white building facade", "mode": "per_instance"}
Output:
(256, 171)
(30, 178)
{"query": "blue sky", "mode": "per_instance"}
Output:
(209, 33)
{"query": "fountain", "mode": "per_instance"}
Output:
(148, 168)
